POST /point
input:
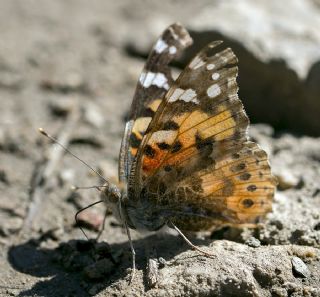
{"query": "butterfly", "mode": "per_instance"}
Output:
(185, 158)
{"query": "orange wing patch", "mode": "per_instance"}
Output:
(140, 126)
(241, 181)
(195, 164)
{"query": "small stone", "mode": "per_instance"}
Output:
(93, 115)
(279, 292)
(152, 273)
(253, 242)
(61, 107)
(317, 227)
(277, 223)
(3, 177)
(286, 180)
(74, 80)
(65, 83)
(90, 219)
(162, 262)
(67, 176)
(299, 268)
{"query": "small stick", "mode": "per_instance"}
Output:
(152, 268)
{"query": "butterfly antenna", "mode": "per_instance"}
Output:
(75, 188)
(71, 153)
(81, 210)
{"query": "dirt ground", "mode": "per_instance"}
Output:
(71, 68)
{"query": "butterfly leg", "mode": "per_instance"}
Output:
(103, 225)
(132, 252)
(194, 247)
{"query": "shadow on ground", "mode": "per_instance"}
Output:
(77, 265)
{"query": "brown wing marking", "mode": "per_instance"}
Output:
(237, 188)
(195, 163)
(154, 82)
(205, 122)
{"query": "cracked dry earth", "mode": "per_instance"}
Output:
(64, 67)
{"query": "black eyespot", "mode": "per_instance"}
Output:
(238, 167)
(176, 147)
(235, 156)
(167, 168)
(252, 188)
(241, 166)
(245, 176)
(247, 203)
(149, 151)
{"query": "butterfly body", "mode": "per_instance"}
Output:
(185, 157)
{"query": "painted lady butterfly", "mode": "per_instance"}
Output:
(185, 158)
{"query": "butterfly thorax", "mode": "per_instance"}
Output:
(138, 214)
(143, 215)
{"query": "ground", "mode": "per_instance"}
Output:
(71, 68)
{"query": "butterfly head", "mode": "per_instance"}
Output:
(112, 196)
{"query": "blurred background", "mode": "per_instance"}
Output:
(71, 66)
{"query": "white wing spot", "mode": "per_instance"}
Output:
(214, 91)
(196, 63)
(215, 76)
(176, 94)
(186, 95)
(156, 79)
(167, 136)
(210, 66)
(189, 96)
(172, 49)
(160, 46)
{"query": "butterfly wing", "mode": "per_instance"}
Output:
(195, 164)
(154, 82)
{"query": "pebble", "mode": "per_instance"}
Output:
(317, 227)
(253, 242)
(162, 262)
(67, 176)
(93, 115)
(286, 179)
(300, 269)
(68, 82)
(3, 177)
(279, 292)
(90, 219)
(61, 107)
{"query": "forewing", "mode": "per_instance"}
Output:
(199, 126)
(154, 82)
